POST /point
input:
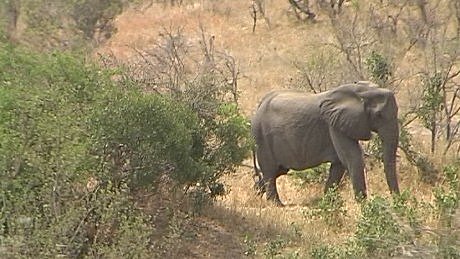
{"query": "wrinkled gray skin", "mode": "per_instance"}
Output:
(298, 130)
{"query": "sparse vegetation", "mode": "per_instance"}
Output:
(138, 156)
(330, 208)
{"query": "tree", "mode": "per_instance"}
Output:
(60, 24)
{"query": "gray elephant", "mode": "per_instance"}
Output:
(298, 130)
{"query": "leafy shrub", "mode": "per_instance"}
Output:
(203, 80)
(250, 245)
(349, 249)
(140, 136)
(447, 202)
(447, 198)
(75, 144)
(431, 105)
(44, 149)
(274, 247)
(409, 208)
(377, 228)
(61, 24)
(112, 226)
(330, 208)
(377, 233)
(379, 68)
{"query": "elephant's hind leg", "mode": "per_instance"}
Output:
(272, 192)
(336, 172)
(270, 185)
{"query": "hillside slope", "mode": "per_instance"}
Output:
(269, 58)
(265, 57)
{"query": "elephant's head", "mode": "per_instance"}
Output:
(358, 109)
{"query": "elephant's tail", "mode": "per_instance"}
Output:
(257, 172)
(259, 184)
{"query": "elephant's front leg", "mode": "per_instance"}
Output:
(351, 155)
(336, 172)
(272, 192)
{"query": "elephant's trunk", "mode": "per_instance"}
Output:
(390, 137)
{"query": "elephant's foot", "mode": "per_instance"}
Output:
(275, 200)
(272, 192)
(278, 203)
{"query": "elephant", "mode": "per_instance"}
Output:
(299, 130)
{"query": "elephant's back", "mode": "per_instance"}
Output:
(286, 103)
(287, 109)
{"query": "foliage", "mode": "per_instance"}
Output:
(250, 245)
(139, 136)
(447, 203)
(313, 175)
(91, 16)
(60, 24)
(348, 250)
(407, 206)
(377, 233)
(112, 226)
(431, 105)
(273, 247)
(330, 208)
(377, 227)
(76, 146)
(205, 81)
(379, 68)
(45, 150)
(447, 198)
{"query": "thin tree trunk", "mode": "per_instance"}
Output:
(12, 16)
(433, 134)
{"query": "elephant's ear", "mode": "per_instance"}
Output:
(345, 111)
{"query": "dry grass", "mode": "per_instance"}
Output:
(241, 221)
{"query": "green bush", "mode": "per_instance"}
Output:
(379, 68)
(274, 247)
(377, 229)
(330, 208)
(140, 136)
(377, 234)
(44, 149)
(75, 144)
(348, 250)
(447, 199)
(409, 208)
